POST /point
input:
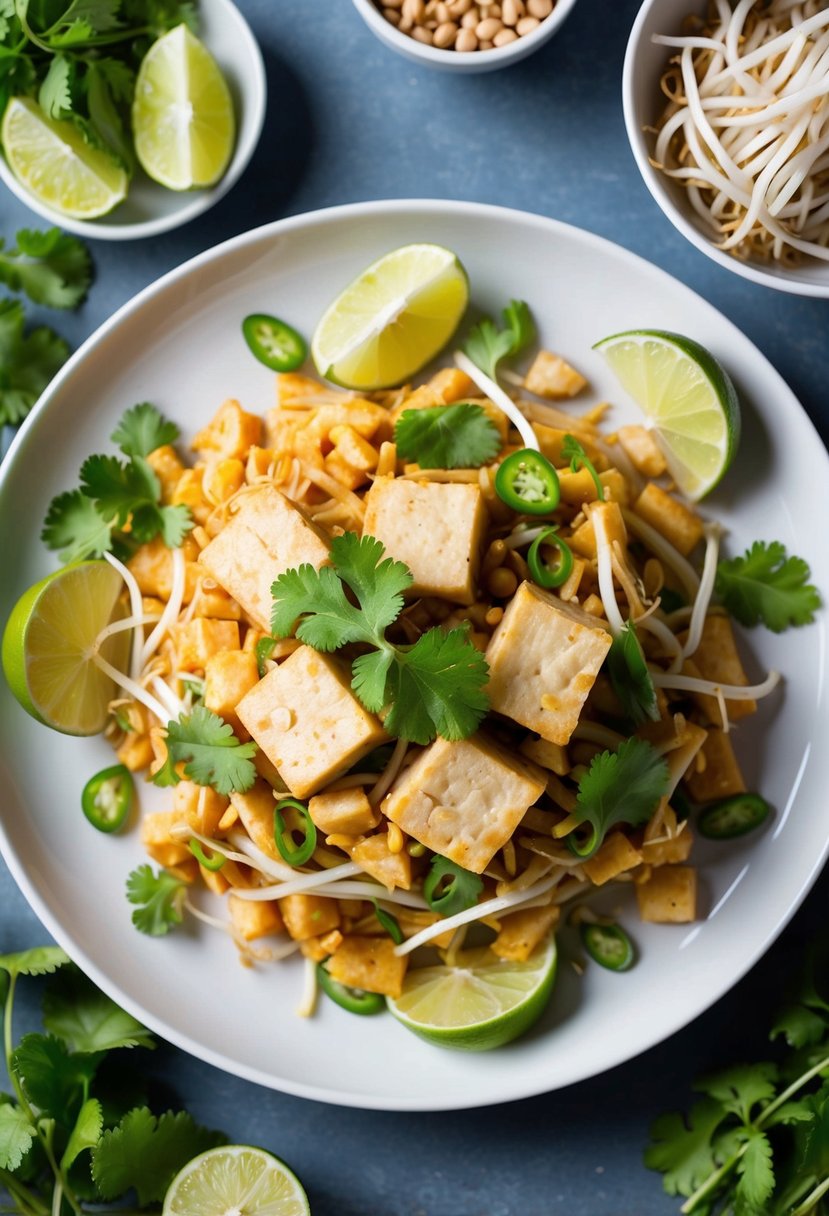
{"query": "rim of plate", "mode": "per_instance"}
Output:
(253, 101)
(313, 219)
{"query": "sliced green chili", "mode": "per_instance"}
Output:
(550, 576)
(213, 863)
(681, 805)
(355, 1000)
(389, 923)
(274, 343)
(527, 482)
(263, 651)
(295, 855)
(733, 816)
(609, 946)
(448, 888)
(107, 797)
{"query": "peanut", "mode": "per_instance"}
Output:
(466, 41)
(526, 26)
(445, 34)
(504, 37)
(421, 34)
(465, 25)
(488, 28)
(471, 18)
(539, 8)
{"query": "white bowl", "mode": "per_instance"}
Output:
(644, 63)
(463, 61)
(150, 209)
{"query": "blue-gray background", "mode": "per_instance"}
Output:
(349, 120)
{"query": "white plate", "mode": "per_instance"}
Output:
(179, 345)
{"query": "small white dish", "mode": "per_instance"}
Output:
(645, 61)
(150, 209)
(463, 61)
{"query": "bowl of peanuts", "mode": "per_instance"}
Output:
(464, 35)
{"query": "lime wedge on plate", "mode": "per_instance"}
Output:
(53, 161)
(235, 1180)
(182, 116)
(48, 641)
(689, 398)
(480, 1003)
(392, 319)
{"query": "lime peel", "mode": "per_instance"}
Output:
(238, 1180)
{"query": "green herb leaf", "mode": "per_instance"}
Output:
(801, 1027)
(683, 1151)
(740, 1089)
(108, 81)
(631, 680)
(86, 1019)
(449, 888)
(40, 960)
(52, 268)
(377, 582)
(159, 898)
(624, 786)
(28, 362)
(764, 585)
(75, 526)
(390, 923)
(329, 620)
(16, 1136)
(53, 1078)
(486, 345)
(146, 1153)
(85, 1134)
(447, 436)
(119, 490)
(55, 95)
(573, 451)
(143, 429)
(437, 687)
(756, 1176)
(213, 754)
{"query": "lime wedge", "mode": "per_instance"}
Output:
(689, 398)
(480, 1003)
(235, 1180)
(182, 116)
(47, 646)
(392, 319)
(53, 161)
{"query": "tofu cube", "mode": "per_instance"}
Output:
(550, 376)
(721, 777)
(200, 806)
(543, 660)
(717, 658)
(640, 446)
(669, 896)
(228, 676)
(308, 722)
(669, 852)
(376, 858)
(265, 537)
(676, 522)
(615, 856)
(549, 755)
(229, 434)
(252, 919)
(158, 840)
(307, 916)
(368, 963)
(522, 931)
(465, 799)
(435, 528)
(202, 638)
(255, 809)
(346, 812)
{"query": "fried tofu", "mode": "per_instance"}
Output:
(676, 522)
(668, 896)
(370, 964)
(522, 931)
(551, 377)
(717, 658)
(343, 812)
(721, 776)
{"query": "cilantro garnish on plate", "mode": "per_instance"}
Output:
(487, 345)
(766, 586)
(624, 786)
(447, 436)
(211, 753)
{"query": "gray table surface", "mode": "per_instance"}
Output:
(349, 120)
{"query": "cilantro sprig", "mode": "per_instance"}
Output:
(447, 436)
(76, 1131)
(487, 345)
(118, 504)
(211, 753)
(51, 268)
(766, 586)
(624, 786)
(630, 677)
(572, 450)
(434, 687)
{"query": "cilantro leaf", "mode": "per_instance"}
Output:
(105, 82)
(370, 676)
(448, 888)
(764, 585)
(624, 786)
(213, 754)
(119, 489)
(53, 1078)
(447, 436)
(75, 526)
(16, 1136)
(815, 1152)
(27, 362)
(17, 72)
(683, 1152)
(437, 687)
(51, 267)
(739, 1089)
(142, 429)
(329, 620)
(55, 94)
(486, 345)
(755, 1174)
(801, 1027)
(377, 582)
(86, 1019)
(573, 451)
(40, 960)
(145, 1152)
(159, 898)
(630, 677)
(85, 1134)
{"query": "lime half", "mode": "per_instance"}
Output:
(392, 319)
(182, 116)
(689, 398)
(480, 1003)
(48, 643)
(235, 1180)
(53, 161)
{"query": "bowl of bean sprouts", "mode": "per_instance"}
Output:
(727, 112)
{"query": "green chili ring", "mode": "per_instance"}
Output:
(274, 343)
(213, 863)
(585, 849)
(732, 817)
(263, 651)
(107, 797)
(354, 1000)
(550, 576)
(609, 946)
(295, 855)
(527, 482)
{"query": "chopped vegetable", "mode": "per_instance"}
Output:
(527, 482)
(630, 677)
(447, 436)
(213, 863)
(390, 923)
(486, 345)
(449, 889)
(624, 786)
(544, 575)
(213, 754)
(573, 451)
(733, 816)
(263, 651)
(274, 343)
(435, 686)
(765, 586)
(159, 898)
(107, 797)
(283, 834)
(608, 945)
(354, 1000)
